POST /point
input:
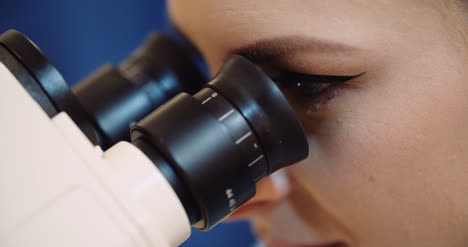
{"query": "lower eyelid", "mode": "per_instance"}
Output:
(311, 105)
(322, 94)
(311, 110)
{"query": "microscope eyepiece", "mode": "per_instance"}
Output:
(116, 97)
(218, 143)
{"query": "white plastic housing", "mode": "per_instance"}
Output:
(56, 190)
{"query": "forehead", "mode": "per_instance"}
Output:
(219, 25)
(226, 12)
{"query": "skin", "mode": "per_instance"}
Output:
(388, 163)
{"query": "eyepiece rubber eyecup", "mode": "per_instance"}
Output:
(268, 112)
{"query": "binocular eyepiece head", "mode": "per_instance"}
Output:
(212, 141)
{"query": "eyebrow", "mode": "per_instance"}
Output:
(267, 49)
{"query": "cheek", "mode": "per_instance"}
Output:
(383, 153)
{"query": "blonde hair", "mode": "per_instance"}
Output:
(455, 14)
(460, 14)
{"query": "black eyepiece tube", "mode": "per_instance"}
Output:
(222, 140)
(115, 98)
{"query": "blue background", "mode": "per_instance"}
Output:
(80, 36)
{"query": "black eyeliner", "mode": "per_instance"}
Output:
(310, 84)
(292, 77)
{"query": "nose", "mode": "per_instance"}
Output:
(270, 191)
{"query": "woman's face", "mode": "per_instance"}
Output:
(388, 163)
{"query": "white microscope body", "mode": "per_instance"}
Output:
(58, 190)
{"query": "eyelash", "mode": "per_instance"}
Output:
(312, 90)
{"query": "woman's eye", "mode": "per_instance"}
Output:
(314, 90)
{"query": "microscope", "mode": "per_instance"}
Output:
(134, 155)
